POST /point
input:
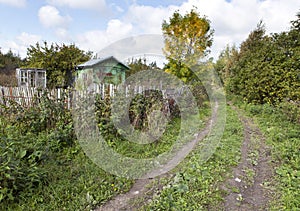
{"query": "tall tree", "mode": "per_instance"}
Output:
(8, 64)
(226, 60)
(267, 67)
(58, 60)
(187, 39)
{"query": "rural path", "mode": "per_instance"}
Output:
(143, 188)
(248, 189)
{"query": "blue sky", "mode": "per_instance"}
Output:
(94, 24)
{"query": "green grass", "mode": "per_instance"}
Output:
(73, 183)
(70, 180)
(283, 134)
(196, 186)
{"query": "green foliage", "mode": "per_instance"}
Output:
(283, 134)
(43, 167)
(139, 111)
(8, 64)
(140, 64)
(19, 168)
(266, 69)
(195, 185)
(226, 60)
(296, 23)
(27, 138)
(180, 70)
(291, 110)
(58, 60)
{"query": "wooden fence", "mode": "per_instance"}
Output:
(25, 96)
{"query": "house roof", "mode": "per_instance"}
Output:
(93, 62)
(34, 69)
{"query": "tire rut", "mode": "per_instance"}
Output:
(248, 189)
(143, 188)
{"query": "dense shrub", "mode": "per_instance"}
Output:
(265, 69)
(28, 137)
(291, 110)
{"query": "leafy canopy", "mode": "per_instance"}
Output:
(58, 60)
(140, 64)
(266, 67)
(187, 39)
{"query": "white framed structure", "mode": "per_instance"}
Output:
(31, 77)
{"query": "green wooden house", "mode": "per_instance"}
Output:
(105, 70)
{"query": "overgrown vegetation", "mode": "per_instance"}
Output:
(196, 186)
(283, 134)
(59, 61)
(266, 68)
(139, 115)
(43, 167)
(8, 64)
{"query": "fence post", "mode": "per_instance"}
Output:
(3, 96)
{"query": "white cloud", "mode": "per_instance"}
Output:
(117, 8)
(15, 3)
(232, 21)
(49, 16)
(80, 4)
(98, 39)
(20, 44)
(148, 19)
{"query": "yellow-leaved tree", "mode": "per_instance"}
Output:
(187, 39)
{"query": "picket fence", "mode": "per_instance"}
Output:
(26, 96)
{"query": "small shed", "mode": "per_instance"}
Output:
(31, 77)
(107, 70)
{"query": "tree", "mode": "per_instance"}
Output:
(226, 60)
(140, 64)
(58, 60)
(266, 69)
(296, 23)
(8, 64)
(187, 39)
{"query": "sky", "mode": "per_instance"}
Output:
(95, 24)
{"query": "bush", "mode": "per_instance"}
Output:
(19, 162)
(28, 137)
(292, 110)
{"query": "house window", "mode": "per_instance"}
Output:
(31, 77)
(23, 78)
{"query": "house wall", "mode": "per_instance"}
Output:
(108, 72)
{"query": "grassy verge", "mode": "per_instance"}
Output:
(283, 134)
(196, 186)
